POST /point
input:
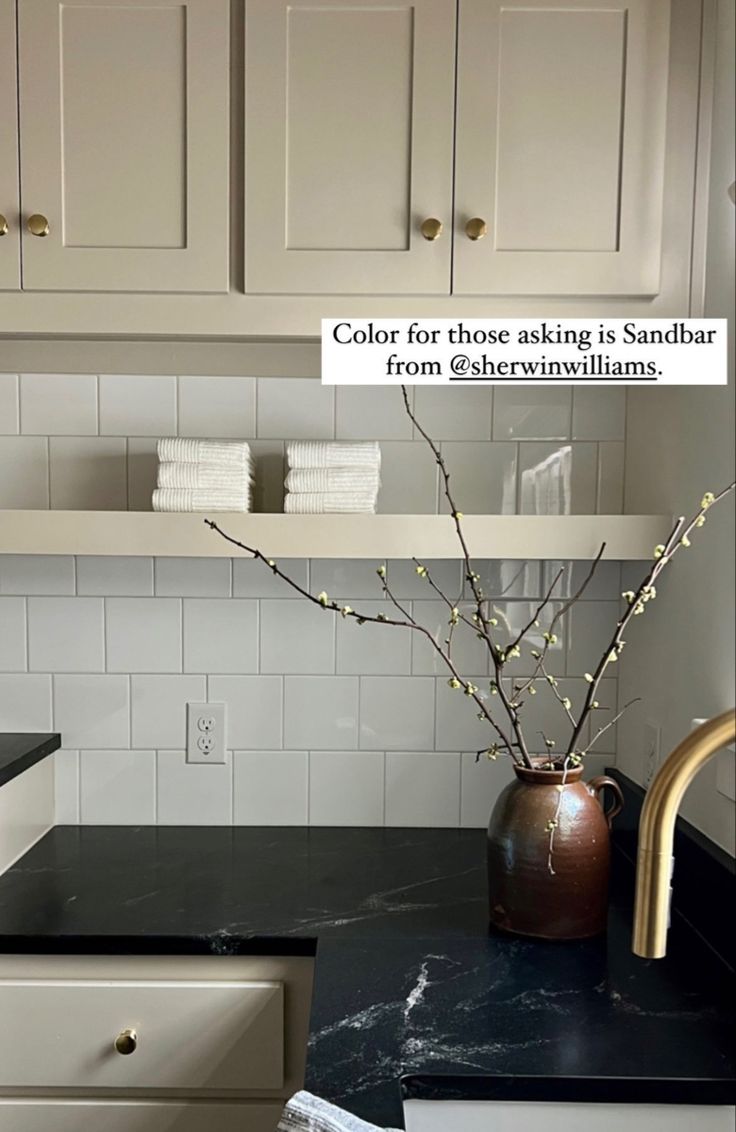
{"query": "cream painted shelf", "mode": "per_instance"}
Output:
(376, 537)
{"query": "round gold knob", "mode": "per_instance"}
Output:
(3, 225)
(38, 225)
(431, 228)
(476, 228)
(126, 1042)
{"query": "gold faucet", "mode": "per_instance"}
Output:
(657, 828)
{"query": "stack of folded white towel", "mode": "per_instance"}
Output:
(332, 476)
(203, 475)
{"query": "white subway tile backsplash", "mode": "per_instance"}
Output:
(24, 472)
(458, 726)
(371, 412)
(610, 498)
(252, 578)
(590, 628)
(192, 577)
(605, 747)
(9, 416)
(66, 634)
(467, 652)
(422, 788)
(459, 413)
(509, 578)
(513, 617)
(220, 636)
(25, 702)
(115, 577)
(66, 787)
(193, 793)
(397, 713)
(254, 710)
(118, 787)
(545, 718)
(408, 479)
(36, 574)
(599, 412)
(270, 788)
(58, 404)
(217, 407)
(530, 412)
(373, 650)
(88, 473)
(297, 636)
(158, 709)
(483, 477)
(321, 712)
(143, 634)
(295, 408)
(344, 579)
(13, 634)
(557, 479)
(93, 711)
(481, 782)
(137, 405)
(604, 583)
(346, 788)
(142, 471)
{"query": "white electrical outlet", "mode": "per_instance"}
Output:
(206, 741)
(652, 735)
(725, 768)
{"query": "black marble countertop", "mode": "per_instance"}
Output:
(20, 750)
(408, 982)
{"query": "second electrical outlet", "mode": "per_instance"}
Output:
(206, 733)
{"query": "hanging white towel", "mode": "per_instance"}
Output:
(199, 499)
(229, 477)
(187, 450)
(329, 502)
(307, 1113)
(333, 454)
(333, 479)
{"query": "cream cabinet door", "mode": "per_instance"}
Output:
(21, 1115)
(9, 201)
(124, 114)
(349, 108)
(560, 146)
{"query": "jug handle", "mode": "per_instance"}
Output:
(598, 785)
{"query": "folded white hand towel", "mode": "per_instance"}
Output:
(199, 499)
(333, 453)
(232, 477)
(329, 502)
(187, 450)
(333, 479)
(307, 1113)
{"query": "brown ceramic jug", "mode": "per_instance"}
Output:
(557, 895)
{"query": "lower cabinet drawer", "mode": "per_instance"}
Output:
(194, 1036)
(135, 1116)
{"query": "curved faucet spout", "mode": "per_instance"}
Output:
(657, 828)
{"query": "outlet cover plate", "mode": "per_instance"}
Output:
(206, 739)
(725, 768)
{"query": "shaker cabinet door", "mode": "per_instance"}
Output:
(560, 146)
(9, 201)
(349, 108)
(124, 110)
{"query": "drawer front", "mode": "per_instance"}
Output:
(188, 1035)
(134, 1116)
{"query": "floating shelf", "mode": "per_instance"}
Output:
(627, 537)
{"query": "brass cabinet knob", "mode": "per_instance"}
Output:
(126, 1042)
(476, 228)
(38, 225)
(431, 228)
(3, 225)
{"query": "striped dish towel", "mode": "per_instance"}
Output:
(307, 1113)
(329, 502)
(199, 499)
(356, 479)
(333, 454)
(186, 450)
(229, 477)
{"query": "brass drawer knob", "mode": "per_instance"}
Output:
(431, 228)
(38, 225)
(3, 225)
(126, 1042)
(476, 228)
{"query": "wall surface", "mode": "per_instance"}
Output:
(680, 443)
(328, 722)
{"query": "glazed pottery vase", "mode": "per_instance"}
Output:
(552, 884)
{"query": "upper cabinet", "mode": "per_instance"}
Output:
(561, 115)
(124, 121)
(9, 199)
(349, 142)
